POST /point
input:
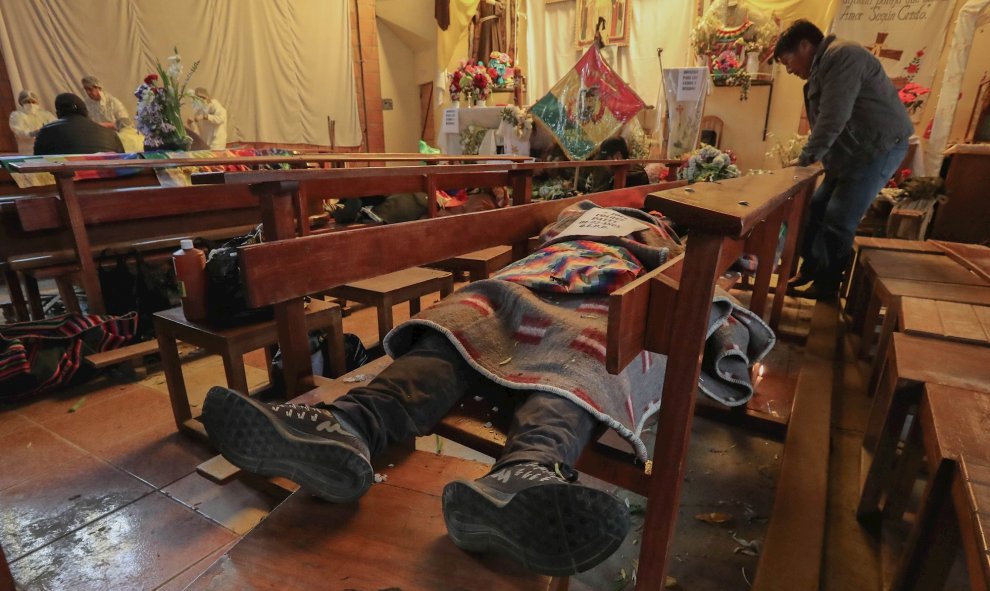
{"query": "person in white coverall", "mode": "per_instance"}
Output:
(210, 120)
(27, 120)
(104, 108)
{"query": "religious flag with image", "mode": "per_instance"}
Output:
(590, 104)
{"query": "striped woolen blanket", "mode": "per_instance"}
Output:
(527, 339)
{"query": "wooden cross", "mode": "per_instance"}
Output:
(879, 50)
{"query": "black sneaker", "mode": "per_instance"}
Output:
(536, 515)
(305, 444)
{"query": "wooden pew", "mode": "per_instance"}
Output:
(674, 299)
(68, 206)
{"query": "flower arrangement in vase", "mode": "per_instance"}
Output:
(471, 80)
(159, 110)
(708, 164)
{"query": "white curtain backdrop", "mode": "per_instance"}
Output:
(281, 68)
(655, 23)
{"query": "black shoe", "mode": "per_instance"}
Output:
(549, 523)
(302, 443)
(815, 292)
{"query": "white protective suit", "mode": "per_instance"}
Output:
(25, 123)
(106, 110)
(211, 123)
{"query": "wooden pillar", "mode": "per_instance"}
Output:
(364, 41)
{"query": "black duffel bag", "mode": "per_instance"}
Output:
(226, 303)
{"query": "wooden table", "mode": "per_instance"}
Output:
(231, 344)
(952, 433)
(863, 244)
(385, 291)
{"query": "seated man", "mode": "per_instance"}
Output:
(73, 132)
(536, 330)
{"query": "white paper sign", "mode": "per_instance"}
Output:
(690, 83)
(603, 222)
(451, 123)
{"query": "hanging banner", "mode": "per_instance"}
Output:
(685, 90)
(905, 35)
(590, 104)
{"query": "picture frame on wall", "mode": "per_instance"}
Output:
(978, 128)
(556, 1)
(616, 14)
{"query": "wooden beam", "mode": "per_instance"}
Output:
(792, 548)
(80, 239)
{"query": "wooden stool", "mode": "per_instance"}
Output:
(955, 507)
(864, 244)
(385, 291)
(948, 312)
(911, 362)
(479, 264)
(904, 265)
(231, 344)
(394, 538)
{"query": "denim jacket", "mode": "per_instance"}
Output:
(853, 108)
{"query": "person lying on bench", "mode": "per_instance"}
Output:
(536, 330)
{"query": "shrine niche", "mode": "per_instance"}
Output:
(978, 129)
(614, 13)
(735, 43)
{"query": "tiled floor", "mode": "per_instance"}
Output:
(99, 491)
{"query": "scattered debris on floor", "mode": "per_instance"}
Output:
(380, 478)
(747, 547)
(79, 403)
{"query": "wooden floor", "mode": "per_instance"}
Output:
(98, 491)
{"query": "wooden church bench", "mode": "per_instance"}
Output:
(674, 299)
(912, 362)
(909, 266)
(862, 245)
(971, 301)
(231, 344)
(479, 264)
(955, 507)
(385, 291)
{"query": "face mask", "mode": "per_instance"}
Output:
(29, 108)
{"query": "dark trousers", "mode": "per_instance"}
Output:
(835, 211)
(413, 393)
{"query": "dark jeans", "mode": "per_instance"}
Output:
(419, 388)
(835, 211)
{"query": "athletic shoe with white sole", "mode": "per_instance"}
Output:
(539, 516)
(305, 444)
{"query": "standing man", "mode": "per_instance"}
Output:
(27, 120)
(859, 132)
(104, 108)
(210, 120)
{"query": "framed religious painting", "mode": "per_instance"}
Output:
(614, 14)
(978, 128)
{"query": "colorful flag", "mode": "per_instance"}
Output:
(590, 104)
